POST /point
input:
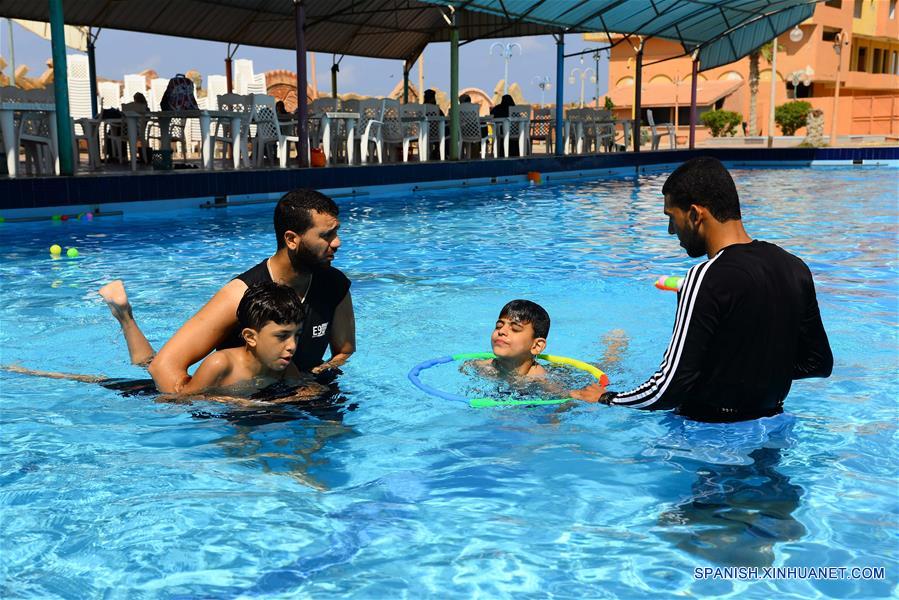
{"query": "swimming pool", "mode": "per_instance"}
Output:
(401, 494)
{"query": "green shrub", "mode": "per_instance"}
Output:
(609, 104)
(721, 122)
(791, 116)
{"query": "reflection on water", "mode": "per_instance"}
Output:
(288, 439)
(740, 506)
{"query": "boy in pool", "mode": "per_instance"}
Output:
(518, 337)
(270, 317)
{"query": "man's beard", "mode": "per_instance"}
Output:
(302, 259)
(692, 242)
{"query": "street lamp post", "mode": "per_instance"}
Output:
(582, 73)
(544, 84)
(596, 56)
(801, 77)
(506, 50)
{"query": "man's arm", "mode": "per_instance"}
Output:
(343, 335)
(698, 315)
(813, 355)
(196, 338)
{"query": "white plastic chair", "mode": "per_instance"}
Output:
(656, 137)
(33, 130)
(413, 119)
(519, 127)
(541, 126)
(551, 135)
(578, 127)
(116, 132)
(34, 137)
(603, 131)
(392, 134)
(268, 130)
(222, 134)
(368, 130)
(436, 130)
(320, 105)
(471, 131)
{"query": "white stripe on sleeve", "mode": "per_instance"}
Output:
(652, 391)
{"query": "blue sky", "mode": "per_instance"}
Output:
(121, 52)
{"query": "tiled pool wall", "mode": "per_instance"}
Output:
(42, 198)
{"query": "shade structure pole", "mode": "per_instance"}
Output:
(454, 90)
(228, 76)
(92, 69)
(693, 101)
(638, 85)
(560, 95)
(61, 88)
(335, 68)
(299, 12)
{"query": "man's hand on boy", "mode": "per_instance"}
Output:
(591, 393)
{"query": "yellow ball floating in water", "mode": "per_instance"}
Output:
(72, 252)
(55, 249)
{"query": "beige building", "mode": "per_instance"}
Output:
(806, 70)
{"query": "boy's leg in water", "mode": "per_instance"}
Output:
(117, 300)
(615, 343)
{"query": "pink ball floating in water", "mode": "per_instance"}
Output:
(89, 216)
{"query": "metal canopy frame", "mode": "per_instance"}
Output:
(722, 31)
(390, 29)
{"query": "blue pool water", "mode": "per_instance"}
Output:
(399, 494)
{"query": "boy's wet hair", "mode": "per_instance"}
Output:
(294, 211)
(270, 302)
(706, 182)
(525, 311)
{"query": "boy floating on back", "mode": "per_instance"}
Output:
(270, 317)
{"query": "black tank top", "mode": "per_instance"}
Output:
(328, 289)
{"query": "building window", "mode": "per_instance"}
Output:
(892, 9)
(861, 59)
(875, 64)
(834, 3)
(894, 68)
(857, 9)
(829, 35)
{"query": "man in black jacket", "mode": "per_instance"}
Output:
(747, 321)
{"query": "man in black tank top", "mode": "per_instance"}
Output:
(306, 225)
(747, 321)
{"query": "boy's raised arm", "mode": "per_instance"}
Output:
(197, 338)
(209, 374)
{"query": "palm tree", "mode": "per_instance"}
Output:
(763, 51)
(753, 91)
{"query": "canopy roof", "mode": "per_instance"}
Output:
(397, 29)
(722, 31)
